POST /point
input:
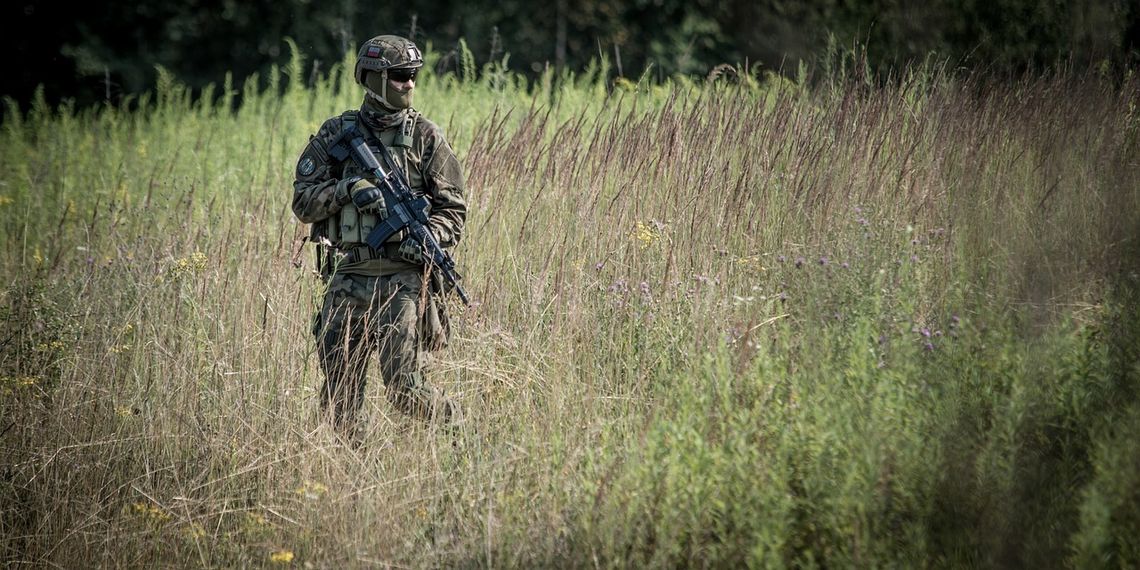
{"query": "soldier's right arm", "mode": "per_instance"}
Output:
(318, 190)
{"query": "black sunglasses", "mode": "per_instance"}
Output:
(402, 74)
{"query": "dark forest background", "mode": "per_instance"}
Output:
(93, 52)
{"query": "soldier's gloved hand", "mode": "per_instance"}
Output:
(368, 198)
(411, 251)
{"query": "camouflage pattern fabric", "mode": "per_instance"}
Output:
(363, 315)
(320, 199)
(378, 305)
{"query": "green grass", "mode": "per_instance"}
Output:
(760, 323)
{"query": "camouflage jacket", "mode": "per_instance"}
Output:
(321, 198)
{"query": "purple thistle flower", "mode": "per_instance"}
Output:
(862, 221)
(925, 332)
(644, 287)
(799, 262)
(598, 265)
(844, 265)
(781, 258)
(823, 260)
(928, 347)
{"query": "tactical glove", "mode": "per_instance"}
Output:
(368, 198)
(411, 251)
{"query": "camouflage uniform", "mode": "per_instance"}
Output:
(376, 298)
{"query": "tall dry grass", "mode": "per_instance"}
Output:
(761, 323)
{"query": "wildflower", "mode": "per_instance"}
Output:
(781, 258)
(281, 556)
(152, 512)
(5, 200)
(954, 320)
(925, 332)
(644, 288)
(844, 265)
(646, 235)
(799, 262)
(862, 221)
(823, 260)
(311, 490)
(598, 265)
(928, 346)
(194, 263)
(914, 259)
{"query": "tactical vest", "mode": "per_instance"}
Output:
(349, 227)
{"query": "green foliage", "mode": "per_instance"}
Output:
(742, 321)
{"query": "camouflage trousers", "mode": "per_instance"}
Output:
(362, 315)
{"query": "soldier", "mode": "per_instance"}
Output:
(379, 299)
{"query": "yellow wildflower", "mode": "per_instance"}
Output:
(751, 262)
(281, 556)
(153, 512)
(645, 235)
(53, 346)
(5, 200)
(312, 490)
(195, 531)
(193, 263)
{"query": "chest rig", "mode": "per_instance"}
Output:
(348, 228)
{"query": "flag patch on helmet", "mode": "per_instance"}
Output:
(373, 51)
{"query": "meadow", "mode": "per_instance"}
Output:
(829, 321)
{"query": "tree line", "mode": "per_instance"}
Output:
(95, 52)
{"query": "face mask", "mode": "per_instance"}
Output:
(400, 99)
(388, 96)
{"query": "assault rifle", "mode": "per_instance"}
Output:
(405, 210)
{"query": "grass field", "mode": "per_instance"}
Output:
(751, 322)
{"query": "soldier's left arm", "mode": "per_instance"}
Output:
(444, 174)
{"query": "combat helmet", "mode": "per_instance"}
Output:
(382, 53)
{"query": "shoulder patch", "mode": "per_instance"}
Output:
(306, 166)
